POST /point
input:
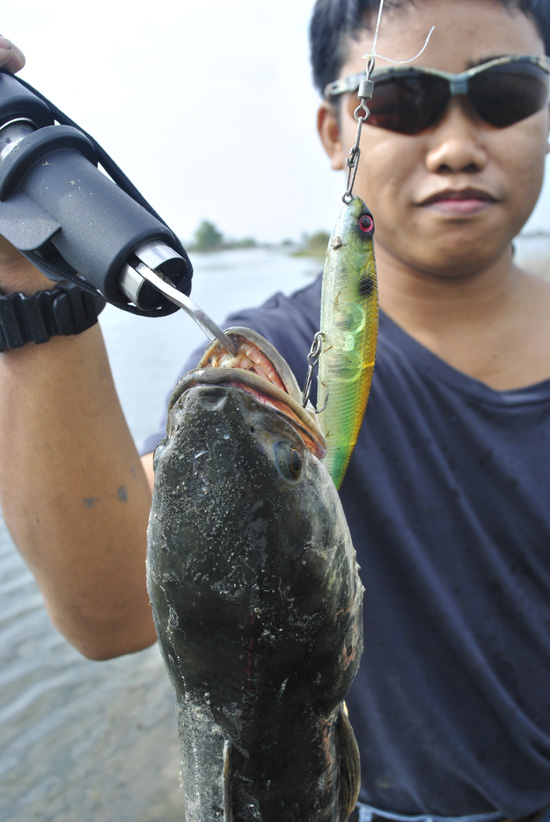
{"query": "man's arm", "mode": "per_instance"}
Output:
(73, 490)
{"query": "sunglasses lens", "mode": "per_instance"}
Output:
(410, 101)
(407, 102)
(508, 93)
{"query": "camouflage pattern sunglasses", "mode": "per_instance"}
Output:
(408, 100)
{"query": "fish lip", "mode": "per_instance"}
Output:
(286, 401)
(469, 193)
(255, 386)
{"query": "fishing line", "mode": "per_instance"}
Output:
(380, 9)
(361, 114)
(366, 89)
(373, 53)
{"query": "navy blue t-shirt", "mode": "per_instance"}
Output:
(447, 499)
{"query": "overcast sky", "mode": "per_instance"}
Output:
(207, 105)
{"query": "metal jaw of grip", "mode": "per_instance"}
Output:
(152, 268)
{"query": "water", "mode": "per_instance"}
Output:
(82, 740)
(534, 253)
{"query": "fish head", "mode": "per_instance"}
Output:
(246, 521)
(221, 436)
(259, 370)
(237, 432)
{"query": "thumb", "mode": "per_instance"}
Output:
(11, 58)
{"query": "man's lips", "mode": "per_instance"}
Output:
(459, 201)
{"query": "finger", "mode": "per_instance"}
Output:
(11, 58)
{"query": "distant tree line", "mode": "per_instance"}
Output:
(313, 245)
(208, 237)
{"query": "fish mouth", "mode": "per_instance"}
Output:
(257, 369)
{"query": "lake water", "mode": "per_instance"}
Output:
(82, 740)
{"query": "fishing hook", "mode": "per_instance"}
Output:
(312, 360)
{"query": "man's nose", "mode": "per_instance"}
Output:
(457, 140)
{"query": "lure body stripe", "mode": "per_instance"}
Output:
(349, 324)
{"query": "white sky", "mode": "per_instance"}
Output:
(207, 105)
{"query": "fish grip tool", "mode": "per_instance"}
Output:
(78, 224)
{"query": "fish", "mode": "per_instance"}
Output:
(349, 329)
(256, 595)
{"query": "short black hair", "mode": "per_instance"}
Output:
(334, 22)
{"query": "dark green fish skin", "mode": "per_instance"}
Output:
(257, 602)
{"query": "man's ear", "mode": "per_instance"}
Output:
(329, 132)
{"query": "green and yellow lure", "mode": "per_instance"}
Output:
(349, 327)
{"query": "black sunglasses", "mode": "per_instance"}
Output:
(408, 100)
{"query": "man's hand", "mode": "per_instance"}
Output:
(16, 274)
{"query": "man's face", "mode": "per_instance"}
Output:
(404, 179)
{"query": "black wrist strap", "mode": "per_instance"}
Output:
(36, 318)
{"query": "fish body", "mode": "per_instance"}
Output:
(257, 602)
(349, 325)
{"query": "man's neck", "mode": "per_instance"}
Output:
(487, 324)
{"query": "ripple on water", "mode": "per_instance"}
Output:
(80, 740)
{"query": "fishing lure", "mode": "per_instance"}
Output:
(349, 306)
(349, 328)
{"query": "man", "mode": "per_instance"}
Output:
(446, 494)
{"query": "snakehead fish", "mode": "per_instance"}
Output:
(349, 325)
(256, 596)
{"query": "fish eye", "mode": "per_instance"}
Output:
(289, 460)
(295, 462)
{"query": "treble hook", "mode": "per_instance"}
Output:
(312, 360)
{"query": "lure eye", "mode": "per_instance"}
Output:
(295, 462)
(366, 223)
